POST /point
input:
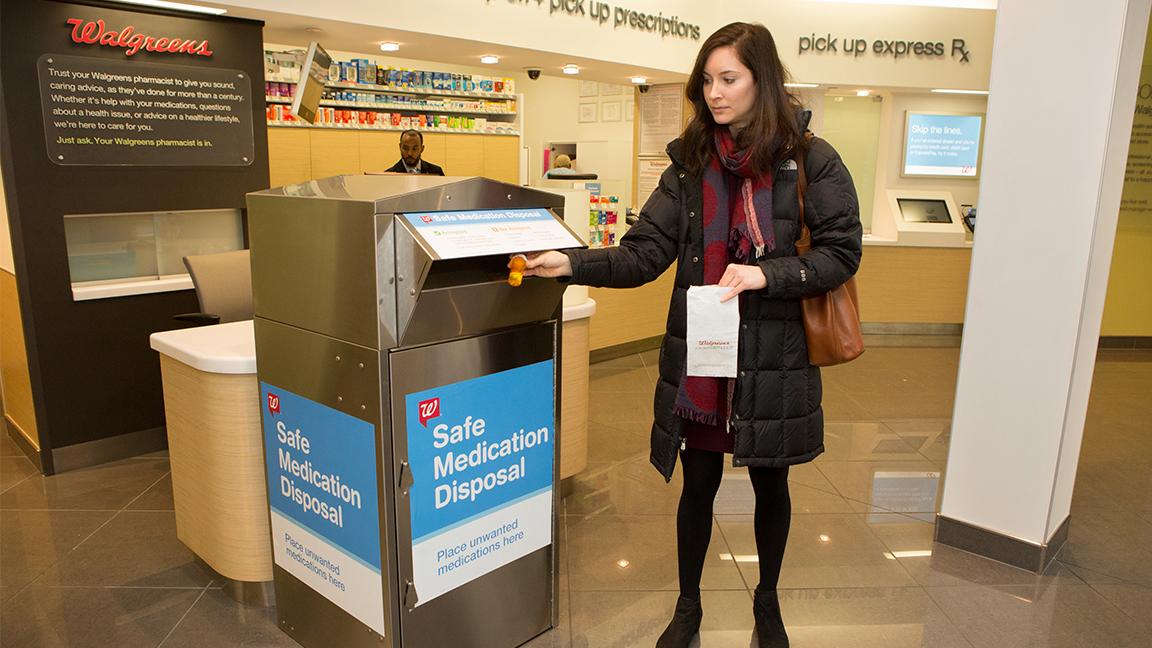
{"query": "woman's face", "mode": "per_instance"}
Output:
(729, 88)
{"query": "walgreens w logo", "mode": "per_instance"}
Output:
(429, 409)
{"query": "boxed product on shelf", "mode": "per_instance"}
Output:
(603, 214)
(365, 71)
(362, 70)
(282, 64)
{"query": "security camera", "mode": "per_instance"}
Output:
(533, 73)
(644, 87)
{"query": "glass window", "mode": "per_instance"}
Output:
(852, 126)
(149, 245)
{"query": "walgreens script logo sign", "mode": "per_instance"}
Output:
(95, 32)
(429, 409)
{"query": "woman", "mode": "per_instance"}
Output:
(726, 211)
(562, 167)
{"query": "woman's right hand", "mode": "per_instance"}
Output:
(548, 264)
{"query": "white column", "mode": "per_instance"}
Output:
(1063, 89)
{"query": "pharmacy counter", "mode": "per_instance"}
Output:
(898, 284)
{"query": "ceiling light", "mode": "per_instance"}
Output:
(181, 6)
(639, 80)
(863, 93)
(489, 59)
(622, 563)
(801, 85)
(956, 91)
(825, 538)
(571, 69)
(389, 47)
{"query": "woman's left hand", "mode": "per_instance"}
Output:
(740, 278)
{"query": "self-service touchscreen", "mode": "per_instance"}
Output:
(920, 210)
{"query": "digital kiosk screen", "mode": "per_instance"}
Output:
(942, 145)
(919, 210)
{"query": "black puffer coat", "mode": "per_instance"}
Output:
(776, 413)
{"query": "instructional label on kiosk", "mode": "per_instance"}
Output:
(481, 454)
(321, 466)
(458, 234)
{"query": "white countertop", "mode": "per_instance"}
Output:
(580, 311)
(223, 348)
(869, 239)
(231, 348)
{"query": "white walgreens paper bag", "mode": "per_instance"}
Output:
(713, 331)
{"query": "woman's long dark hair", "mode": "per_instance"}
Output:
(772, 132)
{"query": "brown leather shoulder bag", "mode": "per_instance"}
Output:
(831, 320)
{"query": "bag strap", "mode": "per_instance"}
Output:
(804, 241)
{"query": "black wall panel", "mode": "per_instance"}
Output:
(94, 374)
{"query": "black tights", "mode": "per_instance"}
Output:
(702, 473)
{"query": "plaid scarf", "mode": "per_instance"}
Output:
(737, 215)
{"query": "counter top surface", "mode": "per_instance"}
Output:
(223, 348)
(890, 242)
(231, 348)
(580, 311)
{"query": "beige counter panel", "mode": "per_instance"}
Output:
(630, 314)
(465, 156)
(435, 147)
(18, 404)
(918, 285)
(290, 156)
(298, 154)
(376, 151)
(216, 453)
(334, 152)
(502, 159)
(574, 398)
(912, 285)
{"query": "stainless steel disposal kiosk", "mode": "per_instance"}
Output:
(409, 398)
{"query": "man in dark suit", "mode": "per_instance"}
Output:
(411, 148)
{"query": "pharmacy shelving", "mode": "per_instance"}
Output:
(376, 105)
(371, 87)
(358, 127)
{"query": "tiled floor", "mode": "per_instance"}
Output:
(90, 558)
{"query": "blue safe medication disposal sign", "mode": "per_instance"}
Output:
(481, 453)
(322, 489)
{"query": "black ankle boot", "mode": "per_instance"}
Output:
(769, 625)
(684, 626)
